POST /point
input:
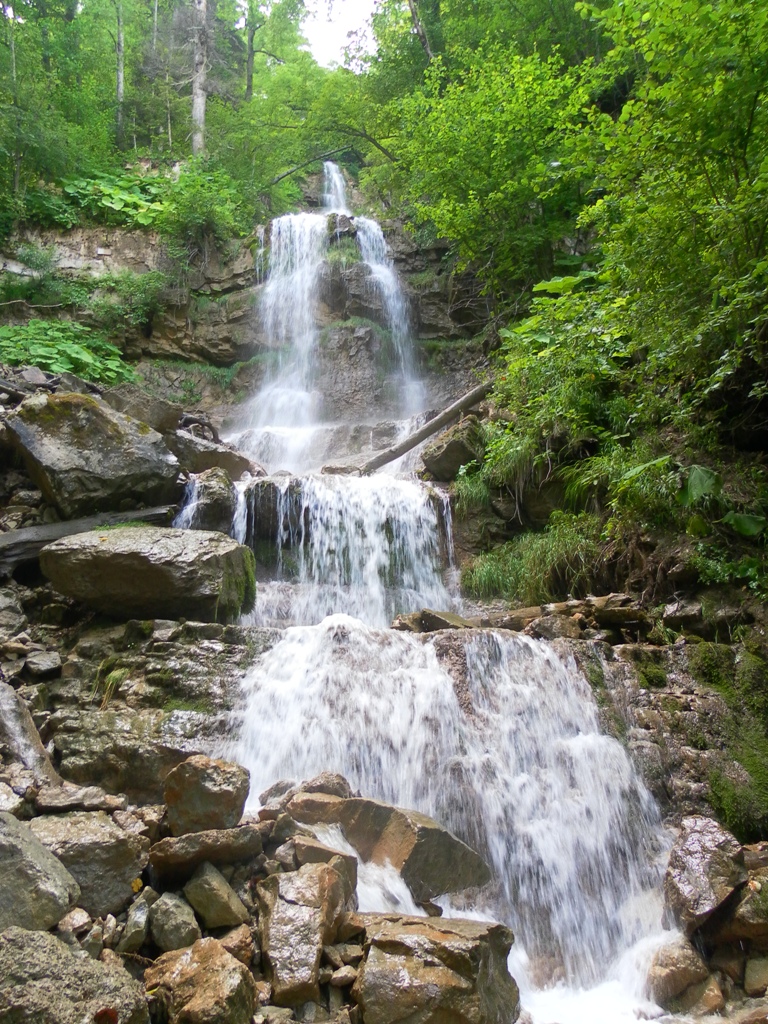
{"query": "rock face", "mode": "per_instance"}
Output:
(430, 859)
(454, 448)
(706, 865)
(35, 887)
(149, 572)
(202, 985)
(103, 859)
(87, 458)
(203, 793)
(422, 971)
(298, 915)
(41, 980)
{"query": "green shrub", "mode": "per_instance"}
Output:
(128, 199)
(63, 347)
(538, 567)
(203, 210)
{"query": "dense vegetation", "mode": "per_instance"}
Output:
(602, 168)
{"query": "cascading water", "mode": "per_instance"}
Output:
(492, 734)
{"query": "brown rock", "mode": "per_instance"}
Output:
(748, 921)
(203, 794)
(202, 985)
(298, 915)
(328, 782)
(552, 627)
(180, 856)
(312, 851)
(424, 971)
(675, 967)
(430, 859)
(756, 976)
(705, 868)
(729, 961)
(239, 942)
(702, 999)
(344, 976)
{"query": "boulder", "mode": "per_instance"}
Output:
(147, 572)
(756, 976)
(136, 928)
(196, 455)
(748, 919)
(674, 968)
(456, 447)
(239, 942)
(424, 970)
(87, 458)
(215, 502)
(705, 867)
(159, 414)
(555, 627)
(201, 985)
(213, 898)
(43, 982)
(35, 887)
(179, 857)
(298, 915)
(203, 794)
(104, 860)
(311, 851)
(430, 859)
(328, 782)
(173, 923)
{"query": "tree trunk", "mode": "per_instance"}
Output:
(420, 30)
(199, 75)
(120, 76)
(154, 28)
(251, 35)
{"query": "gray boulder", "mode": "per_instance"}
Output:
(424, 970)
(136, 927)
(214, 508)
(705, 867)
(12, 617)
(104, 860)
(203, 793)
(178, 857)
(35, 887)
(173, 923)
(298, 916)
(202, 985)
(127, 398)
(213, 899)
(43, 982)
(87, 458)
(149, 572)
(196, 454)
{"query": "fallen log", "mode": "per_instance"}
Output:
(442, 419)
(20, 546)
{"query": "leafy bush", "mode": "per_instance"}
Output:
(47, 207)
(128, 298)
(61, 347)
(538, 567)
(202, 210)
(127, 199)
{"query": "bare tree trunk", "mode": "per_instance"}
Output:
(420, 31)
(154, 28)
(199, 75)
(120, 83)
(249, 61)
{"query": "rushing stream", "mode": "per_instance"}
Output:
(491, 734)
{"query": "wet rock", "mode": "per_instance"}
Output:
(430, 859)
(344, 977)
(203, 794)
(60, 799)
(202, 985)
(76, 922)
(213, 898)
(104, 860)
(312, 851)
(422, 971)
(748, 919)
(683, 614)
(44, 664)
(148, 572)
(675, 967)
(10, 802)
(216, 501)
(298, 915)
(456, 447)
(702, 999)
(197, 454)
(173, 923)
(87, 458)
(705, 868)
(552, 627)
(328, 782)
(35, 887)
(179, 857)
(431, 621)
(42, 980)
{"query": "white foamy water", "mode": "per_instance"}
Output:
(369, 547)
(517, 768)
(187, 514)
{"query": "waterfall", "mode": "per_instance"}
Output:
(334, 189)
(368, 546)
(506, 752)
(187, 514)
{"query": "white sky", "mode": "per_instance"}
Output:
(328, 36)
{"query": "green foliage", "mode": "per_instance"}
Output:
(538, 567)
(202, 210)
(61, 346)
(472, 491)
(128, 199)
(127, 298)
(343, 251)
